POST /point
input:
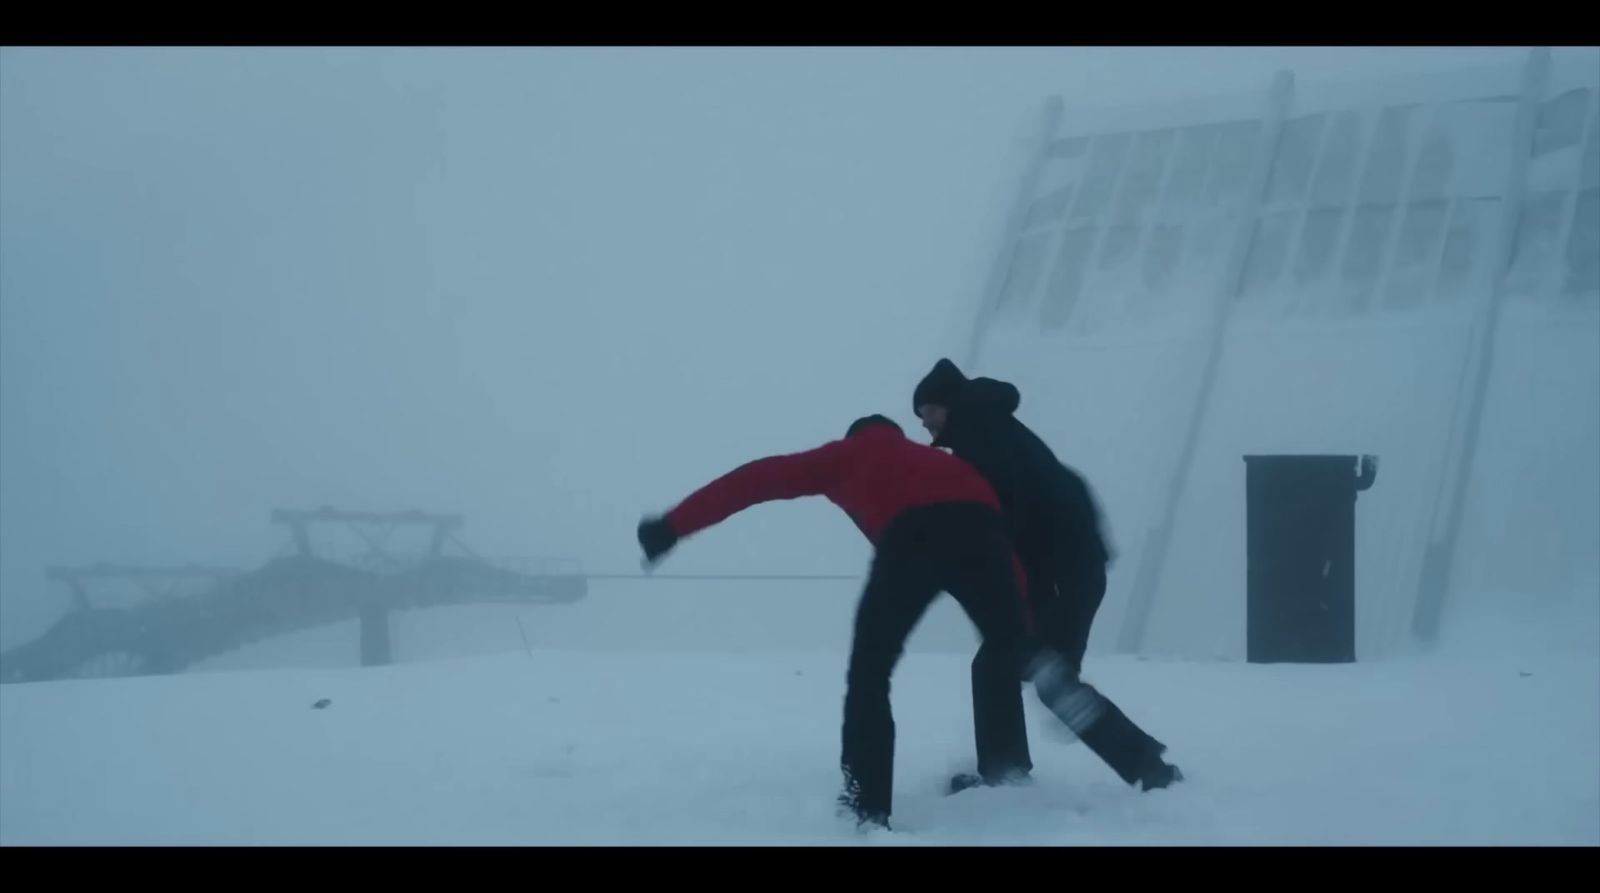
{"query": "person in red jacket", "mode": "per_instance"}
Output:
(935, 525)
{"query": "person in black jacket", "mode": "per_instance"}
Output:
(1055, 526)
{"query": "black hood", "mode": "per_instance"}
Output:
(939, 387)
(991, 395)
(946, 386)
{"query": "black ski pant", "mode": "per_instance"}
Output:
(959, 548)
(1063, 613)
(1064, 597)
(1065, 606)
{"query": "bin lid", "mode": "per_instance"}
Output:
(1350, 459)
(1363, 468)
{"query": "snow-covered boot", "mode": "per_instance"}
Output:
(1159, 774)
(962, 781)
(872, 821)
(1128, 749)
(1103, 727)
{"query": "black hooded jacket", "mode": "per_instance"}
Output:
(1054, 520)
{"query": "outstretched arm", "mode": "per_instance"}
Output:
(764, 480)
(791, 476)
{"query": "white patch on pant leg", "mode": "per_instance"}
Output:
(1073, 701)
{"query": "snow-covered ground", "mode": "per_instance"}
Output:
(448, 201)
(586, 746)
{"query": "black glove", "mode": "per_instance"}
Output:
(657, 538)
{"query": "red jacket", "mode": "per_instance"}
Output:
(873, 476)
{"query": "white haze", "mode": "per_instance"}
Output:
(548, 289)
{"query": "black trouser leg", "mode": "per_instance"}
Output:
(1071, 614)
(1126, 748)
(999, 721)
(1098, 722)
(897, 593)
(982, 580)
(959, 548)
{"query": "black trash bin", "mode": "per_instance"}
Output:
(1301, 556)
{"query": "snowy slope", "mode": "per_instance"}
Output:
(588, 747)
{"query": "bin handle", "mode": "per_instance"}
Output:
(1368, 473)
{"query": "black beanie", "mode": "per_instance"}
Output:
(870, 421)
(939, 387)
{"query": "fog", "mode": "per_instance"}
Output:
(548, 289)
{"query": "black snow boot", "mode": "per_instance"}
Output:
(872, 821)
(1129, 750)
(966, 780)
(865, 819)
(1160, 774)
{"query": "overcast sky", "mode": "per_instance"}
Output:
(550, 289)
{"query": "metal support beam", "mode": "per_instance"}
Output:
(290, 516)
(156, 582)
(375, 645)
(1439, 558)
(299, 523)
(1000, 272)
(1153, 556)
